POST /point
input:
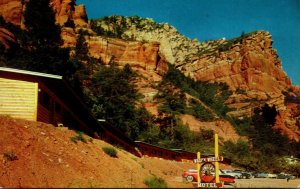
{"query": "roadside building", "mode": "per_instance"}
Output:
(48, 98)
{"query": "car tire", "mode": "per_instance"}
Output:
(189, 178)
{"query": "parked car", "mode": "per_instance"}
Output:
(235, 174)
(270, 175)
(285, 176)
(191, 175)
(261, 175)
(246, 175)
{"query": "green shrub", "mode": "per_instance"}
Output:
(78, 137)
(155, 182)
(10, 156)
(110, 151)
(214, 95)
(242, 126)
(200, 111)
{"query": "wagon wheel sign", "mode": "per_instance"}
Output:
(207, 172)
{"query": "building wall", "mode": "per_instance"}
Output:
(153, 151)
(52, 110)
(187, 156)
(33, 101)
(149, 150)
(18, 99)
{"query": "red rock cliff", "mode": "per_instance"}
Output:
(250, 65)
(12, 11)
(137, 54)
(143, 55)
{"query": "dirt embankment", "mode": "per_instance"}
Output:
(34, 154)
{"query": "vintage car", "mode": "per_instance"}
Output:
(285, 176)
(244, 174)
(191, 175)
(247, 175)
(261, 175)
(235, 174)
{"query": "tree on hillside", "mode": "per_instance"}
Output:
(84, 64)
(39, 19)
(113, 97)
(42, 46)
(264, 137)
(213, 95)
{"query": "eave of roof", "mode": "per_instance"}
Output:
(137, 141)
(30, 73)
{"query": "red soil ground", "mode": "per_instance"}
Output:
(35, 154)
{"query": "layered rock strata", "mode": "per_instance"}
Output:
(249, 66)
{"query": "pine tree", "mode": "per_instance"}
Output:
(81, 49)
(43, 43)
(39, 19)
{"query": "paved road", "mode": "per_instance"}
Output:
(266, 183)
(253, 183)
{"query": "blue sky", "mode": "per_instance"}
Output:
(214, 19)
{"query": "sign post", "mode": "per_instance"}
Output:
(217, 155)
(198, 168)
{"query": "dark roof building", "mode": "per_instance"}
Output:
(49, 98)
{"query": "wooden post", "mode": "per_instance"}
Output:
(36, 97)
(217, 155)
(198, 168)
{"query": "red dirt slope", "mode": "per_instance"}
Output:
(46, 157)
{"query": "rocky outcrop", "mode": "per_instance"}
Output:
(65, 10)
(247, 64)
(250, 67)
(221, 127)
(176, 48)
(12, 11)
(251, 64)
(6, 37)
(69, 37)
(288, 122)
(136, 54)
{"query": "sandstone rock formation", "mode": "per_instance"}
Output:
(221, 127)
(6, 37)
(175, 47)
(288, 122)
(12, 11)
(66, 9)
(248, 64)
(136, 54)
(144, 55)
